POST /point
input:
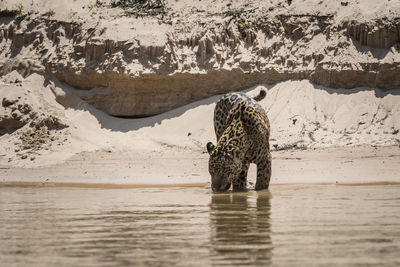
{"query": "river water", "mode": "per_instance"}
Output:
(291, 225)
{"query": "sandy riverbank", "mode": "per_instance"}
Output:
(351, 165)
(319, 135)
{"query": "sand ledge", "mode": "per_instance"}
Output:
(351, 165)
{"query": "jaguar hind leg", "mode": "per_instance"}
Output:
(263, 174)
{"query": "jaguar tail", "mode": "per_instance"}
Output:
(260, 96)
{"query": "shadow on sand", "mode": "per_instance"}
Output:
(70, 98)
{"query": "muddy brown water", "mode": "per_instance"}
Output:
(291, 225)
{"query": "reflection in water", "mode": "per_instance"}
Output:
(299, 226)
(240, 228)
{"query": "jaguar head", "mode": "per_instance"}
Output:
(223, 168)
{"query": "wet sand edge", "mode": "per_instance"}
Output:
(187, 185)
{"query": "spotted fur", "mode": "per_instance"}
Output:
(242, 129)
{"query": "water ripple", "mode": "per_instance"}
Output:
(292, 226)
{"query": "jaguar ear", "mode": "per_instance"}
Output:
(210, 147)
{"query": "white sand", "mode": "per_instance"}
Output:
(350, 136)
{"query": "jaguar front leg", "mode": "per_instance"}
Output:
(240, 183)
